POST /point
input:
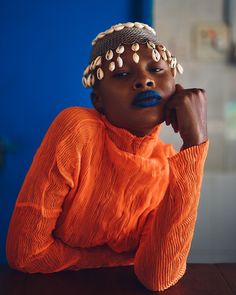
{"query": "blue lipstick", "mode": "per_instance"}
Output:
(147, 99)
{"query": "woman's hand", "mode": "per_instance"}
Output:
(186, 111)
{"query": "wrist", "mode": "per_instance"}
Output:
(188, 145)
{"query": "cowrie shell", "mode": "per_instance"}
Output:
(120, 49)
(173, 62)
(138, 25)
(109, 31)
(109, 55)
(94, 41)
(162, 47)
(98, 61)
(87, 70)
(153, 31)
(168, 53)
(129, 25)
(120, 62)
(101, 35)
(136, 58)
(155, 55)
(112, 66)
(151, 45)
(92, 80)
(89, 80)
(84, 81)
(119, 27)
(147, 27)
(100, 74)
(92, 66)
(135, 47)
(163, 55)
(119, 24)
(179, 69)
(173, 71)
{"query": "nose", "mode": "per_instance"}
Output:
(143, 83)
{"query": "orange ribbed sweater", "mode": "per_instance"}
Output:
(96, 195)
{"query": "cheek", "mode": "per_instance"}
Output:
(107, 89)
(109, 101)
(170, 85)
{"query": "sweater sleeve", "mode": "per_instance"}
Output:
(31, 246)
(161, 258)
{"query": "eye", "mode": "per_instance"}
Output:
(155, 70)
(120, 74)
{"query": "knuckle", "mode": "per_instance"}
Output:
(198, 91)
(185, 99)
(201, 92)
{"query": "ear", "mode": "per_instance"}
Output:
(97, 101)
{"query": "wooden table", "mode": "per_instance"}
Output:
(200, 279)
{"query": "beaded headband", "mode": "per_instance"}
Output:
(113, 40)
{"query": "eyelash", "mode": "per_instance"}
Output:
(121, 74)
(125, 74)
(156, 70)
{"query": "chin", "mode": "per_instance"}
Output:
(154, 118)
(144, 128)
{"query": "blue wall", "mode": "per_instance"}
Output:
(44, 48)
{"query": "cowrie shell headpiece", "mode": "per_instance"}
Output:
(110, 45)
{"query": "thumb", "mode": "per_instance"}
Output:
(178, 88)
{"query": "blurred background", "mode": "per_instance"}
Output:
(202, 35)
(44, 48)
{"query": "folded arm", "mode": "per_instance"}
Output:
(31, 246)
(161, 258)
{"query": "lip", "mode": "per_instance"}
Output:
(147, 99)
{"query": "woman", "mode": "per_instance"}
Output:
(103, 189)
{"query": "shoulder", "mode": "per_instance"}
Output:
(71, 130)
(76, 120)
(74, 116)
(75, 124)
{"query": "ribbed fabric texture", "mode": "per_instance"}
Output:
(96, 195)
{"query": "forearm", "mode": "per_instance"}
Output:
(161, 258)
(102, 256)
(58, 257)
(32, 248)
(54, 258)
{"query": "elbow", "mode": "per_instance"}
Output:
(17, 262)
(17, 258)
(148, 281)
(16, 266)
(23, 262)
(21, 265)
(159, 280)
